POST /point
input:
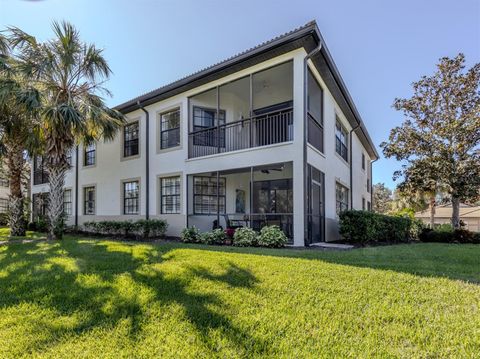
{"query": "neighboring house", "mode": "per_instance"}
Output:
(269, 136)
(469, 215)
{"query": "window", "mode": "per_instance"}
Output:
(205, 195)
(205, 118)
(341, 136)
(369, 206)
(39, 205)
(130, 197)
(170, 195)
(170, 129)
(69, 158)
(341, 197)
(273, 196)
(90, 154)
(4, 182)
(67, 202)
(363, 204)
(40, 175)
(89, 200)
(368, 185)
(363, 161)
(315, 113)
(130, 139)
(3, 205)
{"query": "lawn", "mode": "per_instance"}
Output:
(87, 298)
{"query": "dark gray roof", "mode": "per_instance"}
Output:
(307, 36)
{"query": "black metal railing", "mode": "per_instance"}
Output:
(260, 130)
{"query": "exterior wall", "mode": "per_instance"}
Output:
(361, 180)
(111, 168)
(335, 168)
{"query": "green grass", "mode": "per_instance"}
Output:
(5, 235)
(86, 298)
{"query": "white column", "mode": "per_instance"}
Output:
(298, 147)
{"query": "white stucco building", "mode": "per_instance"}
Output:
(269, 136)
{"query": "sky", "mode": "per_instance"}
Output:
(379, 46)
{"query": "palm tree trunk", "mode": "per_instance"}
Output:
(432, 211)
(56, 178)
(15, 164)
(455, 212)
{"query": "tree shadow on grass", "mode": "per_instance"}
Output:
(452, 261)
(69, 277)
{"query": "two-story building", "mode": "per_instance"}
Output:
(269, 136)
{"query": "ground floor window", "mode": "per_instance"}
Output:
(89, 200)
(341, 197)
(205, 195)
(39, 205)
(273, 196)
(170, 195)
(130, 197)
(363, 204)
(3, 205)
(67, 202)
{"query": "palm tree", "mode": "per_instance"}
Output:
(69, 75)
(18, 102)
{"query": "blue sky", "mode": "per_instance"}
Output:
(379, 46)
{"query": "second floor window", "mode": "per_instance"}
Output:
(341, 140)
(130, 140)
(315, 114)
(170, 129)
(130, 197)
(67, 202)
(363, 161)
(40, 175)
(89, 200)
(341, 194)
(205, 121)
(89, 155)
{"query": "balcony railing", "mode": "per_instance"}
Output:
(261, 130)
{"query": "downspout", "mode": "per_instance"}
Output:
(147, 161)
(305, 138)
(351, 162)
(76, 187)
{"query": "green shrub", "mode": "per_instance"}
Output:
(190, 235)
(217, 236)
(3, 219)
(141, 228)
(272, 236)
(416, 228)
(365, 227)
(245, 237)
(148, 228)
(455, 236)
(444, 227)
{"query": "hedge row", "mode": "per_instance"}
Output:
(363, 227)
(449, 236)
(142, 228)
(269, 236)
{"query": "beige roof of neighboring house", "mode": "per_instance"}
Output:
(446, 212)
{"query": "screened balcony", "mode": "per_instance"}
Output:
(253, 111)
(244, 197)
